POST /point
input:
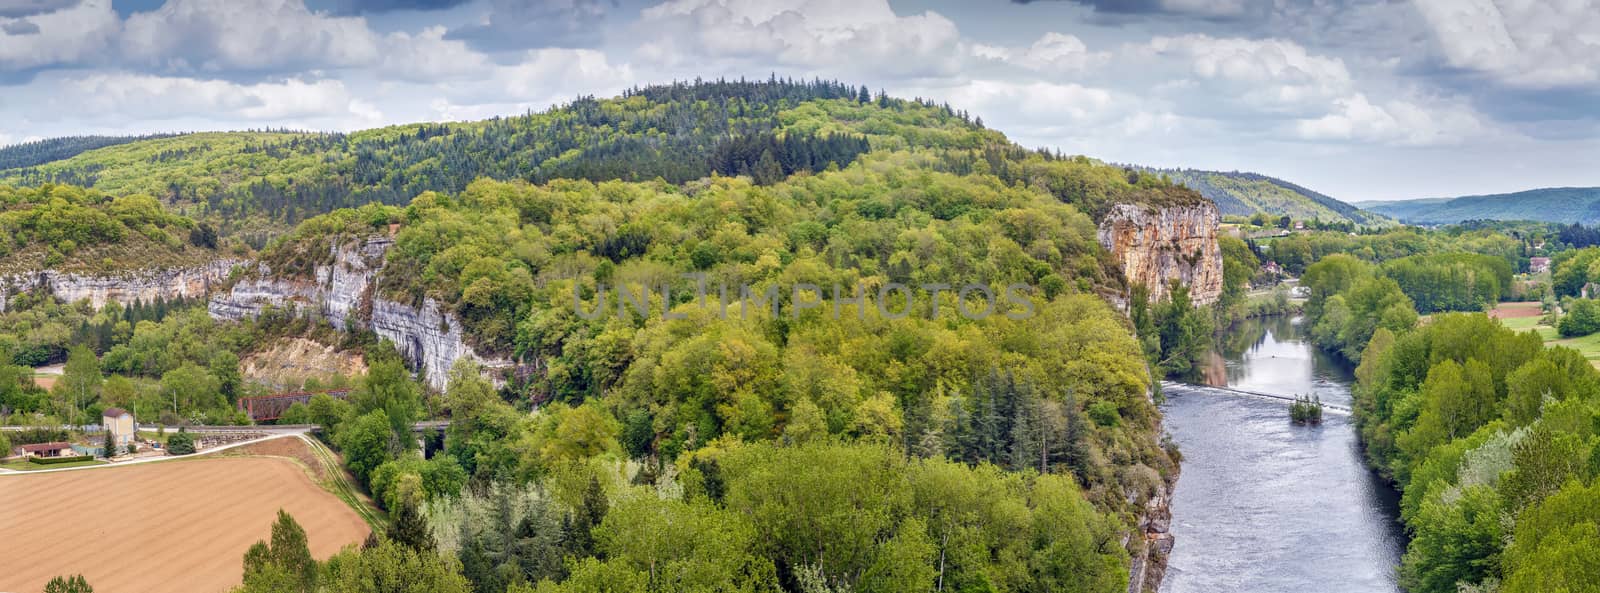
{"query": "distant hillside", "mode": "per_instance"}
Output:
(38, 152)
(1555, 204)
(1245, 194)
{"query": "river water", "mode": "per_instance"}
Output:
(1264, 506)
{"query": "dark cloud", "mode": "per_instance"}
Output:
(1215, 10)
(21, 8)
(523, 24)
(20, 27)
(347, 7)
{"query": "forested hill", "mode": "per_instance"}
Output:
(71, 229)
(1556, 204)
(38, 152)
(256, 184)
(1246, 194)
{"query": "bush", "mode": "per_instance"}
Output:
(181, 443)
(1581, 320)
(56, 460)
(1306, 410)
(1104, 413)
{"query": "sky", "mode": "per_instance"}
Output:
(1358, 99)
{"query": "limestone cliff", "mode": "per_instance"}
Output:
(1159, 244)
(341, 291)
(120, 287)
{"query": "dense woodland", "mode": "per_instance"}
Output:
(69, 228)
(1489, 433)
(779, 446)
(673, 450)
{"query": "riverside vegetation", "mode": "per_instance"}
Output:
(1489, 434)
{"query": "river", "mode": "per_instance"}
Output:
(1264, 506)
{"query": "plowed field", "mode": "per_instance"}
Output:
(178, 527)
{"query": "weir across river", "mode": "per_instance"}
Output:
(1174, 386)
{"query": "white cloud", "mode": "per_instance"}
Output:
(1531, 43)
(146, 97)
(428, 56)
(845, 36)
(252, 35)
(1053, 52)
(1400, 122)
(69, 36)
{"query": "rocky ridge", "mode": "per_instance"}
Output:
(342, 292)
(123, 287)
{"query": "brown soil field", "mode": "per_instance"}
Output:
(1514, 310)
(178, 527)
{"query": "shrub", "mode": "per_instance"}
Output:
(1104, 413)
(56, 460)
(181, 443)
(1306, 410)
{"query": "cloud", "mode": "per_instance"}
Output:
(25, 8)
(1519, 42)
(1053, 52)
(523, 24)
(537, 80)
(1397, 122)
(847, 37)
(73, 34)
(428, 56)
(225, 36)
(347, 7)
(124, 95)
(1205, 9)
(19, 27)
(1265, 76)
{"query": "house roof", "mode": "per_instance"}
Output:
(114, 413)
(42, 447)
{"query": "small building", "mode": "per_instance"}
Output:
(1299, 225)
(1271, 267)
(120, 424)
(1538, 265)
(45, 450)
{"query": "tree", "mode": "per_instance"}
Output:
(1455, 543)
(73, 584)
(328, 412)
(225, 367)
(389, 567)
(189, 386)
(109, 444)
(388, 388)
(1582, 318)
(410, 529)
(367, 442)
(767, 170)
(181, 443)
(81, 379)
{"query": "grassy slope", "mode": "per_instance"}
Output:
(1248, 193)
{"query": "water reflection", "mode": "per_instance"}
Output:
(1266, 506)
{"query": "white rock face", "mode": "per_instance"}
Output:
(123, 288)
(342, 293)
(1159, 245)
(428, 337)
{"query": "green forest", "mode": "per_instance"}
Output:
(809, 441)
(807, 450)
(1488, 433)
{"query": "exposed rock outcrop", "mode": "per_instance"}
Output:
(342, 292)
(120, 287)
(1159, 244)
